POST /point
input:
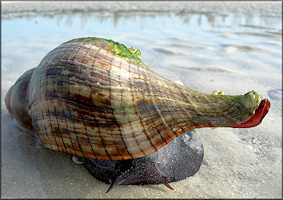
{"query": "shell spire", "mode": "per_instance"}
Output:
(95, 98)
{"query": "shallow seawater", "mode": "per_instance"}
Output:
(234, 52)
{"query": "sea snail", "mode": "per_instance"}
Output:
(95, 99)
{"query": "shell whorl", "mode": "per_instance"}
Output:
(95, 98)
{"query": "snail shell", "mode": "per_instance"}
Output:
(95, 98)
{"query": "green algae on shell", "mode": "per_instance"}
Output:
(133, 54)
(95, 98)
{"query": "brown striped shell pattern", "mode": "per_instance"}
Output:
(95, 98)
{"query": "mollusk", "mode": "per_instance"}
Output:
(94, 98)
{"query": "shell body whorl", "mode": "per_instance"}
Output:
(95, 98)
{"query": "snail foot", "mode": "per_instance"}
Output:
(167, 185)
(139, 173)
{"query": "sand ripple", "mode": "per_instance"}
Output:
(241, 48)
(205, 69)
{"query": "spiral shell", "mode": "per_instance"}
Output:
(95, 98)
